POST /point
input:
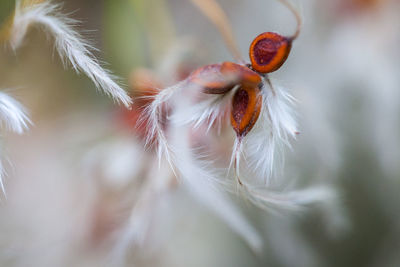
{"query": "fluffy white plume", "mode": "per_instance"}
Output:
(69, 44)
(155, 113)
(262, 146)
(289, 200)
(208, 112)
(13, 117)
(12, 114)
(186, 111)
(148, 204)
(195, 174)
(1, 178)
(202, 184)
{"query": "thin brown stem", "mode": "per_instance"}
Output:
(296, 14)
(213, 11)
(270, 85)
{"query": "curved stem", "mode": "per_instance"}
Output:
(296, 14)
(270, 85)
(213, 11)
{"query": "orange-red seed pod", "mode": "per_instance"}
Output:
(211, 79)
(221, 78)
(269, 51)
(246, 108)
(240, 74)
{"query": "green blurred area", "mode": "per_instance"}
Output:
(124, 36)
(6, 8)
(128, 33)
(137, 33)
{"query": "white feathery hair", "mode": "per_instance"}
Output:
(270, 134)
(295, 200)
(154, 113)
(69, 44)
(263, 145)
(152, 194)
(2, 173)
(210, 111)
(198, 176)
(205, 108)
(13, 117)
(262, 150)
(203, 184)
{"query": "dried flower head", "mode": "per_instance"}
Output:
(261, 115)
(160, 183)
(246, 108)
(269, 51)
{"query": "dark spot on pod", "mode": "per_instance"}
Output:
(246, 108)
(269, 51)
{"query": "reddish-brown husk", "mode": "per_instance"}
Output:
(223, 77)
(269, 51)
(246, 108)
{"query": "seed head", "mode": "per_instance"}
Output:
(269, 51)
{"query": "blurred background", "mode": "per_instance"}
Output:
(73, 177)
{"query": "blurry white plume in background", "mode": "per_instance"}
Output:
(70, 45)
(13, 117)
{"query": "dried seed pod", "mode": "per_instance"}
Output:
(246, 107)
(269, 51)
(221, 78)
(211, 79)
(240, 74)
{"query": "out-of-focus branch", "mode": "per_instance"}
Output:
(160, 31)
(213, 11)
(296, 14)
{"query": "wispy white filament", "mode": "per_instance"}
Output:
(263, 145)
(202, 183)
(155, 113)
(259, 148)
(289, 200)
(148, 203)
(1, 178)
(69, 44)
(210, 112)
(195, 174)
(13, 117)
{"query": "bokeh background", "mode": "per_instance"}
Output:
(71, 178)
